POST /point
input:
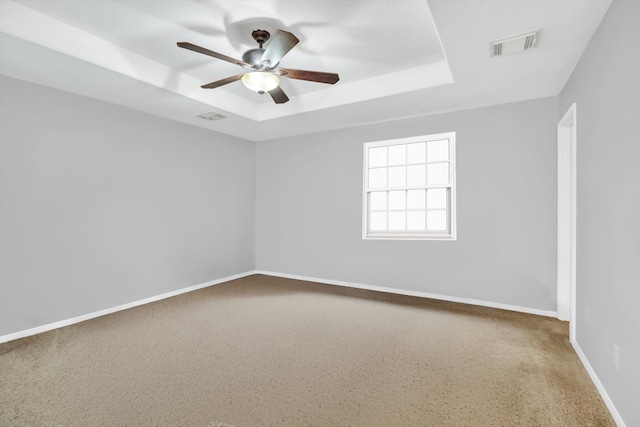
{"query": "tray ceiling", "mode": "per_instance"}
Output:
(395, 59)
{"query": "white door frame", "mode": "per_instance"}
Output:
(566, 298)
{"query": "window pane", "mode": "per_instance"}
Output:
(409, 184)
(416, 221)
(438, 173)
(378, 201)
(377, 156)
(397, 221)
(437, 220)
(437, 198)
(377, 178)
(397, 176)
(398, 154)
(416, 175)
(378, 221)
(416, 153)
(438, 151)
(397, 200)
(415, 199)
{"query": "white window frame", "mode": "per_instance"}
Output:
(450, 233)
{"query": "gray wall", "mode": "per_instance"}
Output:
(101, 205)
(606, 89)
(309, 208)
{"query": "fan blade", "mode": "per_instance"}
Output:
(312, 76)
(196, 48)
(222, 82)
(281, 43)
(278, 95)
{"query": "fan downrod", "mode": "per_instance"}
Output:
(261, 36)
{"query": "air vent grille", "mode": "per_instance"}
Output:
(212, 116)
(513, 44)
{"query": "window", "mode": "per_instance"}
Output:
(409, 188)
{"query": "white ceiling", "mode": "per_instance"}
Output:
(396, 59)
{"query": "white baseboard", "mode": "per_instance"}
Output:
(106, 311)
(44, 328)
(596, 381)
(412, 293)
(78, 319)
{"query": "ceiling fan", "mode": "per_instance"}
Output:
(262, 75)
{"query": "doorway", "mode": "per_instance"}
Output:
(567, 219)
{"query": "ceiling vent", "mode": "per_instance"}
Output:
(211, 116)
(513, 44)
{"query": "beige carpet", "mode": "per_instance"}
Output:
(263, 351)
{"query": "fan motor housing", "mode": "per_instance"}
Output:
(254, 57)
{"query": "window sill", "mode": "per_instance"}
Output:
(407, 236)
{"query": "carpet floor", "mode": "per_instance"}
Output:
(265, 351)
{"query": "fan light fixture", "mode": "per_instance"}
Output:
(260, 81)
